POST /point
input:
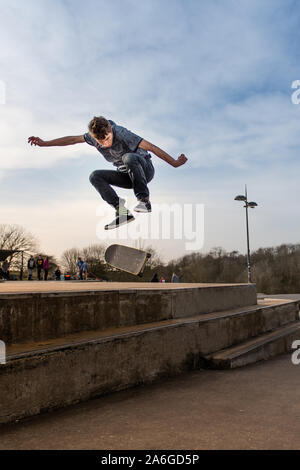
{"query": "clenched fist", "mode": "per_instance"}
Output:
(180, 160)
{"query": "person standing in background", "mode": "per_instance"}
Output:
(84, 269)
(175, 278)
(57, 274)
(5, 269)
(79, 264)
(39, 266)
(30, 267)
(155, 278)
(46, 268)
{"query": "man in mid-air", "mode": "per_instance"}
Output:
(129, 153)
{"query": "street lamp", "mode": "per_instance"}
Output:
(252, 205)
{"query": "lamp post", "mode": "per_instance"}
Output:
(22, 266)
(251, 204)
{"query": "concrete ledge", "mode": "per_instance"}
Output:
(40, 316)
(61, 374)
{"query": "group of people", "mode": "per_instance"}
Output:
(174, 278)
(41, 264)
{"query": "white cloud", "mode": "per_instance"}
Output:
(262, 129)
(210, 79)
(168, 73)
(16, 125)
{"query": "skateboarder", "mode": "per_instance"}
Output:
(129, 153)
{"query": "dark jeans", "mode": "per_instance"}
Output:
(140, 172)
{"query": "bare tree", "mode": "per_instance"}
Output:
(18, 239)
(155, 259)
(94, 256)
(94, 252)
(69, 260)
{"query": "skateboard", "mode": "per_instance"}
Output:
(127, 259)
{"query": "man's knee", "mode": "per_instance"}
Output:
(130, 159)
(95, 175)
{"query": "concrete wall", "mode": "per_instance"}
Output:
(37, 317)
(34, 382)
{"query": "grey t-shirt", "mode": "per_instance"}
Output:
(124, 141)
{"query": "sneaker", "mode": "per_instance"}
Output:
(123, 216)
(143, 206)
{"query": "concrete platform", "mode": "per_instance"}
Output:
(36, 311)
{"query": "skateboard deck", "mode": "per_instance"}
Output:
(127, 259)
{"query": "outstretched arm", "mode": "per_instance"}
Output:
(70, 140)
(145, 145)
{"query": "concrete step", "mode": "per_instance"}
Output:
(42, 376)
(38, 316)
(254, 350)
(227, 327)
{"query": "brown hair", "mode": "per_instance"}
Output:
(99, 127)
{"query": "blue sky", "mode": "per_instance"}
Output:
(208, 78)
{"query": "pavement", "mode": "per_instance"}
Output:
(254, 407)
